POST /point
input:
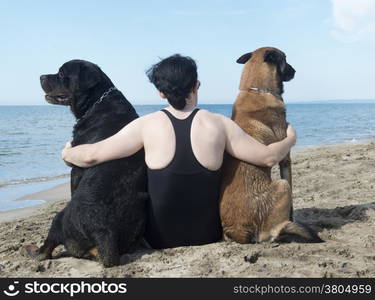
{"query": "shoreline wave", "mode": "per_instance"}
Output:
(32, 180)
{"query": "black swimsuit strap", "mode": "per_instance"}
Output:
(174, 119)
(184, 159)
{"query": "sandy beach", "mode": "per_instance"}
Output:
(333, 192)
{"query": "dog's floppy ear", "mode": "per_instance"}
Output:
(244, 58)
(89, 76)
(272, 56)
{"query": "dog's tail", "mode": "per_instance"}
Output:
(299, 232)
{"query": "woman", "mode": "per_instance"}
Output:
(184, 149)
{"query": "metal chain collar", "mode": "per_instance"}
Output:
(105, 94)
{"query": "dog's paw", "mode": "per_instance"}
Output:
(34, 252)
(29, 250)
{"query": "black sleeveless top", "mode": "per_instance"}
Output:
(184, 196)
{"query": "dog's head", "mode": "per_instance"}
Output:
(265, 65)
(77, 84)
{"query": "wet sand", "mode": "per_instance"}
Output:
(333, 192)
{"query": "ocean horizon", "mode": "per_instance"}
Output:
(32, 136)
(324, 101)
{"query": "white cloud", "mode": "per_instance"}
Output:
(354, 20)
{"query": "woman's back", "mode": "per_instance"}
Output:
(183, 207)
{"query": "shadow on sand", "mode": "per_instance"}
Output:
(323, 218)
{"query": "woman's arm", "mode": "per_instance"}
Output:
(244, 147)
(124, 143)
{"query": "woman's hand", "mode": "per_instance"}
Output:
(291, 133)
(64, 151)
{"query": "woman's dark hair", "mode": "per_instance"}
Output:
(175, 77)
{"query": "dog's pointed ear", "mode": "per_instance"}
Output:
(244, 58)
(271, 56)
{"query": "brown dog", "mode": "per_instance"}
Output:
(254, 208)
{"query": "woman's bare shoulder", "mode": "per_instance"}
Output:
(151, 120)
(212, 117)
(152, 116)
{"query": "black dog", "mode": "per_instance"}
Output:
(106, 215)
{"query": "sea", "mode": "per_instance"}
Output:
(31, 139)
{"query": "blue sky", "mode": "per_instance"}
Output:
(329, 42)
